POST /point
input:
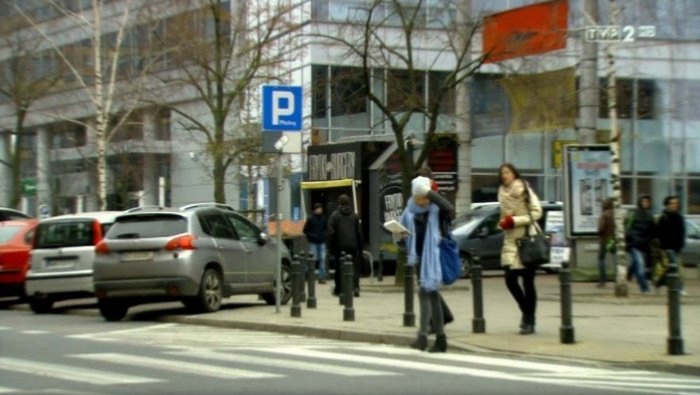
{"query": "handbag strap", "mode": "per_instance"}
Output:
(538, 230)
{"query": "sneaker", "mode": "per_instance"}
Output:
(646, 293)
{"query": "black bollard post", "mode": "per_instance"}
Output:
(409, 317)
(296, 274)
(348, 284)
(380, 266)
(566, 331)
(478, 322)
(311, 280)
(674, 343)
(302, 278)
(339, 274)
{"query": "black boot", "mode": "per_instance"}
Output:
(421, 343)
(529, 327)
(523, 321)
(440, 344)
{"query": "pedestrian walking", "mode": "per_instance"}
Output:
(639, 232)
(315, 230)
(427, 216)
(519, 206)
(671, 234)
(345, 235)
(606, 237)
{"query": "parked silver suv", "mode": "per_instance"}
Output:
(197, 255)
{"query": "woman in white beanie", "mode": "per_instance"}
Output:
(426, 217)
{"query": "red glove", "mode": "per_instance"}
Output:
(507, 223)
(434, 185)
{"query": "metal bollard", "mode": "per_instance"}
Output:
(566, 331)
(674, 343)
(348, 284)
(311, 280)
(380, 266)
(296, 276)
(409, 317)
(478, 322)
(339, 268)
(302, 278)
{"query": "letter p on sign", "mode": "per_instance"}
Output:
(282, 108)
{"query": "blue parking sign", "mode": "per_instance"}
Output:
(281, 108)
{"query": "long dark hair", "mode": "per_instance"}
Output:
(510, 167)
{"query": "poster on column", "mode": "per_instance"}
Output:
(587, 182)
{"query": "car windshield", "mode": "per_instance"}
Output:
(147, 226)
(74, 233)
(8, 232)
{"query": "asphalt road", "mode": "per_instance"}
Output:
(62, 354)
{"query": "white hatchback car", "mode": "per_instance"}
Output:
(62, 258)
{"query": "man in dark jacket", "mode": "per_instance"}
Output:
(671, 229)
(315, 230)
(345, 235)
(639, 231)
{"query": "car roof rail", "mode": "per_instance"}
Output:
(207, 204)
(141, 208)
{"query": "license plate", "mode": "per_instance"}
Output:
(137, 256)
(60, 263)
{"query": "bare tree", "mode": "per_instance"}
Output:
(388, 36)
(221, 64)
(107, 74)
(22, 84)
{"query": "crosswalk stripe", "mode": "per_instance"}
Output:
(177, 366)
(282, 363)
(35, 332)
(637, 385)
(494, 361)
(365, 359)
(120, 331)
(4, 390)
(71, 373)
(654, 378)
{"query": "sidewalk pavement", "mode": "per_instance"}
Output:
(627, 331)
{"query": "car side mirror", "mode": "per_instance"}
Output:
(264, 239)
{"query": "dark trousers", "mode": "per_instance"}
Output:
(525, 295)
(447, 315)
(338, 275)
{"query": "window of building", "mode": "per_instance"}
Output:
(68, 135)
(162, 131)
(319, 97)
(347, 91)
(447, 104)
(130, 128)
(693, 195)
(407, 90)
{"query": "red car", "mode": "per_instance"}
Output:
(15, 243)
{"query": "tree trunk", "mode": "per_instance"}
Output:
(463, 199)
(219, 173)
(621, 288)
(16, 159)
(101, 132)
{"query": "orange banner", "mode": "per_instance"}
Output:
(528, 30)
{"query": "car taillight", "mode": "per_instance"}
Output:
(102, 248)
(96, 232)
(184, 242)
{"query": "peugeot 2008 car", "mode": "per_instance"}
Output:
(62, 256)
(197, 255)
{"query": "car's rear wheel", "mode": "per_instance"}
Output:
(270, 297)
(41, 305)
(466, 265)
(210, 291)
(112, 310)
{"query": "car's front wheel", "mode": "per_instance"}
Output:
(210, 291)
(112, 310)
(270, 297)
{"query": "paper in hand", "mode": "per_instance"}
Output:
(395, 226)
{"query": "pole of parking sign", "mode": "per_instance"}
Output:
(278, 283)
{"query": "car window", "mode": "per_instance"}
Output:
(216, 225)
(65, 234)
(491, 223)
(692, 231)
(8, 232)
(246, 231)
(146, 226)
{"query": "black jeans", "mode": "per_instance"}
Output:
(525, 296)
(337, 277)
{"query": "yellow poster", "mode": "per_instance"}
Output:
(542, 102)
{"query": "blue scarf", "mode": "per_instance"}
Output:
(430, 270)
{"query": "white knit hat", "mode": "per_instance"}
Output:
(420, 186)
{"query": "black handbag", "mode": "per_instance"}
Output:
(533, 249)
